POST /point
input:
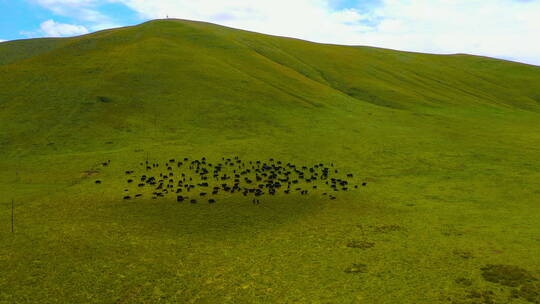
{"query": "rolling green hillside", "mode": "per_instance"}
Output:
(448, 144)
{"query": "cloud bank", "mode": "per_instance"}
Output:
(506, 29)
(83, 11)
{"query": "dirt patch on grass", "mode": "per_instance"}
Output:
(90, 173)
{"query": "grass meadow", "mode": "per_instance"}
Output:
(448, 146)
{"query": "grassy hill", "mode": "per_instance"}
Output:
(449, 147)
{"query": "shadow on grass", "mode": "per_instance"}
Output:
(234, 216)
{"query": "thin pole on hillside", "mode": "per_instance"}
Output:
(12, 215)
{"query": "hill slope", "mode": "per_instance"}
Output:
(448, 146)
(198, 75)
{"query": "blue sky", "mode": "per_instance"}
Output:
(21, 19)
(506, 29)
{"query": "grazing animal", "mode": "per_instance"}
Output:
(364, 184)
(193, 201)
(138, 195)
(130, 181)
(98, 182)
(211, 201)
(127, 197)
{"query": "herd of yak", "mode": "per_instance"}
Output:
(200, 179)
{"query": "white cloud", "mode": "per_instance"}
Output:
(497, 28)
(2, 40)
(50, 28)
(81, 10)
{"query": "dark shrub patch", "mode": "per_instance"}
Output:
(387, 228)
(104, 99)
(529, 292)
(463, 281)
(485, 297)
(507, 275)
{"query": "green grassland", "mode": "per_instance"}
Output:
(449, 146)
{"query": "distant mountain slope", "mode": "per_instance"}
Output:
(181, 78)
